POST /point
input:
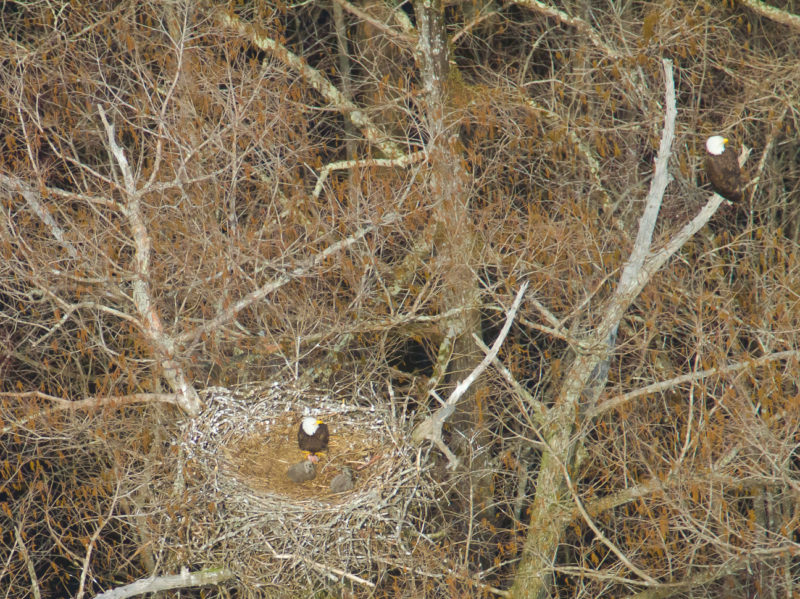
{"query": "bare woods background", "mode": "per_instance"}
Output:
(351, 195)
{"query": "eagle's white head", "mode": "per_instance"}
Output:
(715, 145)
(310, 425)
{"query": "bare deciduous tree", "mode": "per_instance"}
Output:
(200, 195)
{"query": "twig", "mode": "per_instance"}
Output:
(323, 568)
(607, 542)
(471, 25)
(90, 544)
(767, 150)
(462, 387)
(304, 269)
(595, 169)
(450, 572)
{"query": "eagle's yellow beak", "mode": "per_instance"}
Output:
(724, 140)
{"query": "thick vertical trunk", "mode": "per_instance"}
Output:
(552, 506)
(456, 242)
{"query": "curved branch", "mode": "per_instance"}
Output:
(401, 161)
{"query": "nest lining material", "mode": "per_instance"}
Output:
(236, 453)
(260, 459)
(251, 444)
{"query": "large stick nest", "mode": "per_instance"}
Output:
(248, 516)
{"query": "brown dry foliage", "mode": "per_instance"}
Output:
(556, 131)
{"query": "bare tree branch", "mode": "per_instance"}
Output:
(348, 164)
(773, 12)
(299, 271)
(431, 428)
(89, 403)
(37, 593)
(32, 198)
(403, 40)
(184, 580)
(320, 83)
(634, 278)
(142, 296)
(613, 403)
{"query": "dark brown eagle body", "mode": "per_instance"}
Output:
(722, 169)
(312, 436)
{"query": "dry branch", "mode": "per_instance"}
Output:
(184, 580)
(367, 162)
(634, 277)
(616, 402)
(319, 82)
(431, 428)
(783, 17)
(88, 403)
(32, 198)
(150, 322)
(37, 592)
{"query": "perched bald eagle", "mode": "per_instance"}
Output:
(312, 437)
(722, 169)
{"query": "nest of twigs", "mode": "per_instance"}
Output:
(249, 517)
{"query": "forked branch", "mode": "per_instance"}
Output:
(431, 428)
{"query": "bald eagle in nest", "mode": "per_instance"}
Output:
(722, 169)
(312, 437)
